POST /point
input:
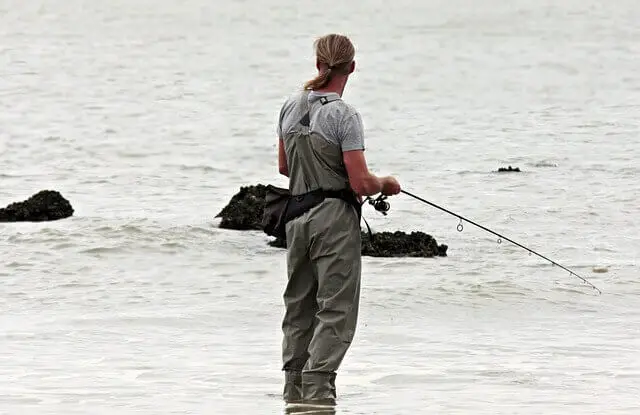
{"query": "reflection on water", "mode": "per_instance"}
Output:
(310, 409)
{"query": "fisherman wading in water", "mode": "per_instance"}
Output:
(321, 149)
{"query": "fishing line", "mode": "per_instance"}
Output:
(460, 227)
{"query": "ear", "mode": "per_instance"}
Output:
(318, 64)
(352, 67)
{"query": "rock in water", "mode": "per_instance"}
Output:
(393, 244)
(244, 211)
(401, 244)
(46, 205)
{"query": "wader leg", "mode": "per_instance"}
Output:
(300, 309)
(336, 252)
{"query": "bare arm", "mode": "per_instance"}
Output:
(282, 159)
(363, 182)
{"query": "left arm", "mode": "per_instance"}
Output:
(282, 159)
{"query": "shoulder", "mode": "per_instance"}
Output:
(337, 105)
(349, 114)
(343, 116)
(347, 110)
(290, 101)
(350, 128)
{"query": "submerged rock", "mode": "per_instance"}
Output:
(46, 205)
(244, 212)
(508, 169)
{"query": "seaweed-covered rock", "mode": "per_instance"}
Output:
(46, 205)
(508, 169)
(244, 211)
(401, 244)
(393, 244)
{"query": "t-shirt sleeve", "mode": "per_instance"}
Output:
(279, 125)
(352, 133)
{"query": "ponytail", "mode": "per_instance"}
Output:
(319, 81)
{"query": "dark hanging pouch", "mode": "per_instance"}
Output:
(281, 207)
(275, 208)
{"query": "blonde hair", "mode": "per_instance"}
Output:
(337, 52)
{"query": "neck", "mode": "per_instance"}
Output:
(337, 85)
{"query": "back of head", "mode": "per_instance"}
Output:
(334, 55)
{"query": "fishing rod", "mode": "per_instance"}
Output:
(381, 205)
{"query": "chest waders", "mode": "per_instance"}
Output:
(323, 264)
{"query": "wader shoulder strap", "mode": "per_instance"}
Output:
(305, 121)
(326, 100)
(306, 118)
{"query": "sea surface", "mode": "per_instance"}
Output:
(148, 116)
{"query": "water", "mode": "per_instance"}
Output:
(148, 116)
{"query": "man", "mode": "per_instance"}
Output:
(321, 146)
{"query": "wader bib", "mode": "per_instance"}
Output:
(323, 265)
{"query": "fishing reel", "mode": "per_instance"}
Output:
(380, 204)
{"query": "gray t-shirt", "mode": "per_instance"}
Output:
(336, 121)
